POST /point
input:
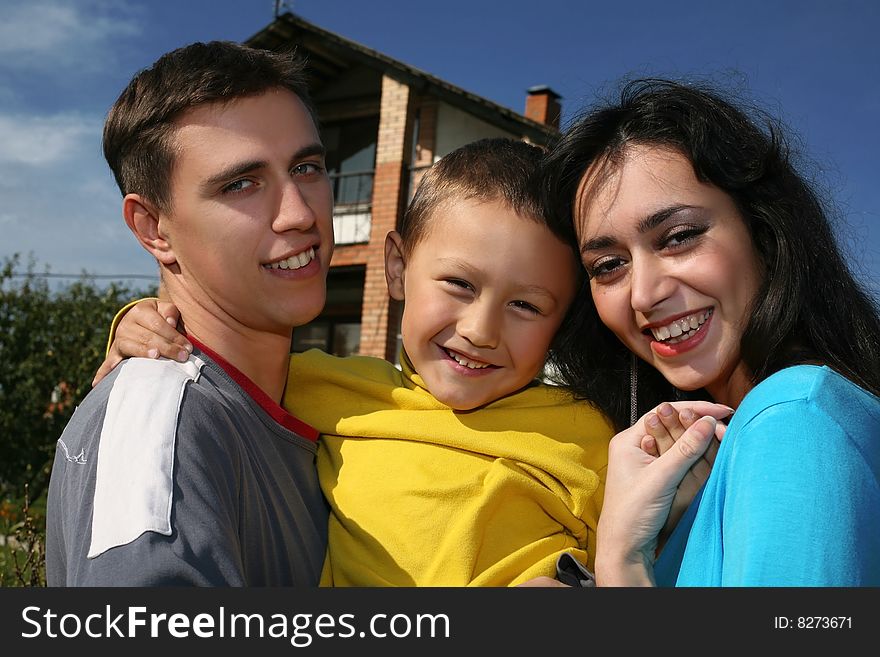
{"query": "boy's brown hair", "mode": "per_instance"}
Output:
(139, 130)
(494, 169)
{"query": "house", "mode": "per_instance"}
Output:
(383, 123)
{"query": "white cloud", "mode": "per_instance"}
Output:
(60, 203)
(51, 34)
(44, 140)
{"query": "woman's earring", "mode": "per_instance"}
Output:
(633, 389)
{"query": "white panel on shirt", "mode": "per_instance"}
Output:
(134, 488)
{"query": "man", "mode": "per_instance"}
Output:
(192, 473)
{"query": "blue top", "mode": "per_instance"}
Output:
(794, 495)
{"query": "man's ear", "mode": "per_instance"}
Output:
(143, 219)
(395, 265)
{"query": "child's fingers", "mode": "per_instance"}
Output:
(694, 454)
(658, 431)
(106, 367)
(669, 418)
(700, 470)
(169, 311)
(701, 408)
(143, 328)
(689, 448)
(145, 344)
(174, 346)
(649, 446)
(142, 324)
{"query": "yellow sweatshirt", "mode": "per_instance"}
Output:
(422, 495)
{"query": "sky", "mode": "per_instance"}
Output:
(63, 63)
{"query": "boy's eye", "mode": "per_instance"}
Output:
(525, 305)
(458, 283)
(238, 186)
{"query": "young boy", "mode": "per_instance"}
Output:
(459, 468)
(192, 473)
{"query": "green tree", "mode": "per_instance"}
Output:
(51, 343)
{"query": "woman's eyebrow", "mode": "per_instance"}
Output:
(654, 219)
(646, 225)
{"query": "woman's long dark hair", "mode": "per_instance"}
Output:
(809, 307)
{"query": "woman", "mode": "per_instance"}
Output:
(712, 261)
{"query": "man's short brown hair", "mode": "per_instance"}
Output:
(139, 130)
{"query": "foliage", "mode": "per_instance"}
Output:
(51, 344)
(22, 542)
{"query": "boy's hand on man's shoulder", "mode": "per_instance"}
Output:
(147, 330)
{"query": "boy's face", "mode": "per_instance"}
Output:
(485, 292)
(250, 222)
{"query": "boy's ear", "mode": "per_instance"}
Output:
(144, 220)
(395, 265)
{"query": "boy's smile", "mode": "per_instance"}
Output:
(485, 291)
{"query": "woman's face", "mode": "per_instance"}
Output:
(672, 268)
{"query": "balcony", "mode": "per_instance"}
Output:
(352, 197)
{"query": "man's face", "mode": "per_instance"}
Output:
(250, 220)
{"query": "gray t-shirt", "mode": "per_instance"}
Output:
(171, 474)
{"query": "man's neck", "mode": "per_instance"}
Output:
(262, 356)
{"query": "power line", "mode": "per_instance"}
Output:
(147, 277)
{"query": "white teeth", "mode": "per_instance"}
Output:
(470, 364)
(295, 261)
(681, 328)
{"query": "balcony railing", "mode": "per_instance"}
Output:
(352, 197)
(352, 188)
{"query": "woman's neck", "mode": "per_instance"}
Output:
(731, 389)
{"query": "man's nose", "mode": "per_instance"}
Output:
(294, 210)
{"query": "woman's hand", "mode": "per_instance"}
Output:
(148, 330)
(640, 489)
(664, 426)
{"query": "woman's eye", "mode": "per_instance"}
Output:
(238, 186)
(682, 235)
(605, 268)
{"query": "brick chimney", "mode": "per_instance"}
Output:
(542, 105)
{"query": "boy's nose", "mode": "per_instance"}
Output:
(480, 326)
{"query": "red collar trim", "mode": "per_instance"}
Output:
(265, 402)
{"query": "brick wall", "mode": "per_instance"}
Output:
(392, 160)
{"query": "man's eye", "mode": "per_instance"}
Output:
(307, 168)
(238, 186)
